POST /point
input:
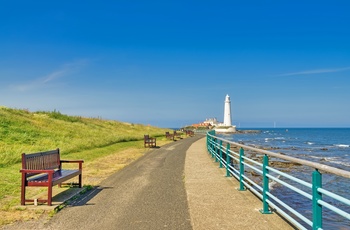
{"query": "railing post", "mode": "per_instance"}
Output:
(214, 148)
(265, 209)
(227, 160)
(208, 141)
(241, 169)
(209, 144)
(220, 154)
(316, 196)
(217, 153)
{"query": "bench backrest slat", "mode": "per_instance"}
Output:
(41, 161)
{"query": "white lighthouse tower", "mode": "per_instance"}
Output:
(226, 126)
(227, 111)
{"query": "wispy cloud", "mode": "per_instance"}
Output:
(316, 71)
(65, 70)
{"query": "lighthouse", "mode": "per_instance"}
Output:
(227, 111)
(226, 126)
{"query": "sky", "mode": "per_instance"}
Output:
(171, 63)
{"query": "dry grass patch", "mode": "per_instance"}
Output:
(98, 170)
(21, 214)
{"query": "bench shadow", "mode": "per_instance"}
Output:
(85, 197)
(154, 147)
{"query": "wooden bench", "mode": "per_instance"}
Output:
(169, 136)
(149, 141)
(177, 134)
(44, 169)
(189, 133)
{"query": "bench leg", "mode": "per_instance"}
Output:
(23, 195)
(49, 196)
(80, 180)
(23, 190)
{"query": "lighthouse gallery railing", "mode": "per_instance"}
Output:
(236, 164)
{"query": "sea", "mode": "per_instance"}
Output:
(328, 146)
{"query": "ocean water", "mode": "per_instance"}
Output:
(329, 146)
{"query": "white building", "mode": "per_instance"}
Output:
(211, 121)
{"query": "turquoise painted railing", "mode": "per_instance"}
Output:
(237, 164)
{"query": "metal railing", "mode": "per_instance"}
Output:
(237, 164)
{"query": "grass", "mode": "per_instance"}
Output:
(106, 146)
(22, 131)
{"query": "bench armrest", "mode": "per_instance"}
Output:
(72, 161)
(80, 162)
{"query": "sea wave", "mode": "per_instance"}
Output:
(273, 183)
(330, 160)
(342, 146)
(274, 139)
(316, 157)
(334, 160)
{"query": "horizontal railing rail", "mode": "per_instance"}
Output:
(203, 131)
(237, 164)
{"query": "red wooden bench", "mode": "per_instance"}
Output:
(169, 136)
(189, 133)
(149, 141)
(176, 134)
(44, 169)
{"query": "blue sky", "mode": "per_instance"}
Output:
(171, 63)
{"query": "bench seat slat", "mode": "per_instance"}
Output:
(58, 177)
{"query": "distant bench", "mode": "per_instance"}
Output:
(149, 141)
(172, 136)
(169, 136)
(189, 133)
(176, 134)
(44, 169)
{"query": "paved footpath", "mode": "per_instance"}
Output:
(214, 201)
(176, 186)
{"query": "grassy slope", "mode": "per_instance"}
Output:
(91, 139)
(22, 131)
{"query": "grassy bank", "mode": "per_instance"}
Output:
(22, 131)
(95, 140)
